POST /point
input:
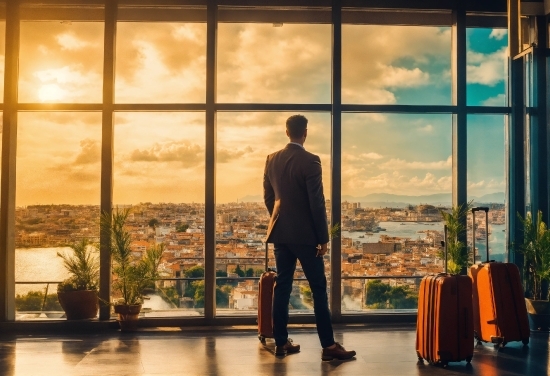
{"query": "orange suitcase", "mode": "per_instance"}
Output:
(500, 314)
(444, 328)
(265, 302)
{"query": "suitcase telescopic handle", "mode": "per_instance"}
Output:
(486, 210)
(266, 255)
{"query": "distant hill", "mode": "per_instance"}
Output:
(400, 201)
(252, 198)
(497, 197)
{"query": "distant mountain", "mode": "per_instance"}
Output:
(497, 197)
(397, 201)
(252, 198)
(392, 200)
(400, 201)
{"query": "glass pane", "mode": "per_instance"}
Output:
(380, 295)
(262, 63)
(396, 64)
(487, 70)
(61, 62)
(159, 174)
(396, 177)
(244, 141)
(2, 56)
(57, 196)
(487, 183)
(160, 62)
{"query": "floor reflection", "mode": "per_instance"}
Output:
(380, 351)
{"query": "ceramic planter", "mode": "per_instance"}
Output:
(79, 305)
(539, 314)
(128, 316)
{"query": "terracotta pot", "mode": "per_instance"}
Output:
(128, 316)
(79, 305)
(539, 314)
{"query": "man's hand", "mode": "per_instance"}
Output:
(321, 249)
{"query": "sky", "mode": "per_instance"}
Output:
(159, 157)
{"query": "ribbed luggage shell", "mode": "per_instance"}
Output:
(500, 314)
(444, 331)
(499, 304)
(265, 305)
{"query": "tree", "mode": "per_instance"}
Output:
(306, 292)
(249, 272)
(377, 292)
(401, 297)
(182, 227)
(196, 271)
(239, 271)
(34, 300)
(153, 223)
(222, 295)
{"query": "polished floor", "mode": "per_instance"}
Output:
(237, 352)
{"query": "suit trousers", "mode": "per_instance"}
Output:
(314, 270)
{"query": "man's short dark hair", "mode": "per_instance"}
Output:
(296, 126)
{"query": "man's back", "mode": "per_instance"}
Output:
(293, 194)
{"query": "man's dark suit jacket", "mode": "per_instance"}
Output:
(293, 194)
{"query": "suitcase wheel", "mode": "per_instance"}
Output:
(262, 339)
(444, 364)
(525, 341)
(469, 359)
(419, 357)
(479, 343)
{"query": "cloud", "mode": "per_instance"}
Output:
(486, 69)
(161, 62)
(427, 128)
(401, 164)
(499, 100)
(381, 59)
(483, 184)
(401, 77)
(70, 55)
(190, 155)
(371, 156)
(90, 152)
(260, 63)
(356, 183)
(69, 41)
(226, 155)
(498, 34)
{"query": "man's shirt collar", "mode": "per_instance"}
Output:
(295, 143)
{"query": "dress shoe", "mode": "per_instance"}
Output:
(287, 348)
(338, 352)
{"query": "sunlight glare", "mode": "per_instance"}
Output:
(50, 93)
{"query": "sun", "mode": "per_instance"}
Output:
(50, 93)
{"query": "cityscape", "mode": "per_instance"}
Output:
(385, 250)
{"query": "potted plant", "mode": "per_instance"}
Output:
(131, 275)
(536, 270)
(455, 220)
(78, 293)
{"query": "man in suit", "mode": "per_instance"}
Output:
(293, 195)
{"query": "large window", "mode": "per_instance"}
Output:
(487, 70)
(193, 113)
(58, 171)
(159, 176)
(160, 62)
(396, 178)
(274, 63)
(61, 62)
(486, 184)
(396, 64)
(244, 141)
